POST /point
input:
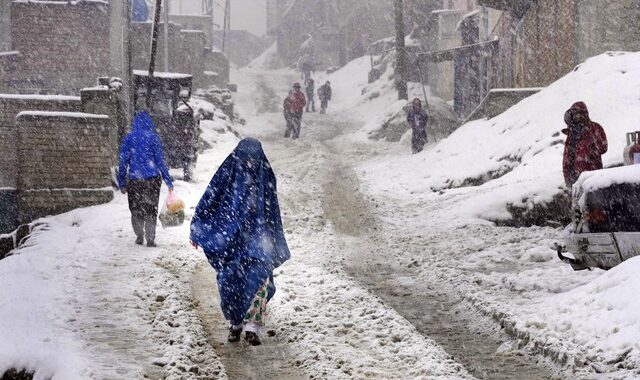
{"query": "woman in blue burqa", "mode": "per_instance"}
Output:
(237, 223)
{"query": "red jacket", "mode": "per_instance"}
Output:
(297, 102)
(585, 144)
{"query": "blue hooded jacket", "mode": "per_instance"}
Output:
(141, 154)
(237, 223)
(139, 11)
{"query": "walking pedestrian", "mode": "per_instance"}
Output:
(324, 94)
(141, 168)
(310, 90)
(585, 144)
(286, 112)
(238, 225)
(297, 102)
(417, 119)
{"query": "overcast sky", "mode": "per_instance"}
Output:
(245, 14)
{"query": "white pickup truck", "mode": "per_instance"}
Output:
(606, 226)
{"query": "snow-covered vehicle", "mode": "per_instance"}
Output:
(178, 126)
(606, 226)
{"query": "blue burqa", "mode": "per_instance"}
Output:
(237, 223)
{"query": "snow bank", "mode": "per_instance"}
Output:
(515, 158)
(601, 316)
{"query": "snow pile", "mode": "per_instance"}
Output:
(514, 159)
(376, 104)
(600, 179)
(268, 60)
(601, 317)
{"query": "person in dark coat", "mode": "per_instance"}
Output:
(238, 225)
(324, 94)
(585, 144)
(309, 88)
(297, 101)
(141, 168)
(417, 118)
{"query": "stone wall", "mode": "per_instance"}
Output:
(10, 106)
(64, 162)
(64, 45)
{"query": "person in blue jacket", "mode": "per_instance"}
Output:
(141, 169)
(237, 223)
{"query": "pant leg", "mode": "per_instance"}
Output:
(297, 122)
(136, 207)
(418, 139)
(289, 126)
(258, 310)
(152, 196)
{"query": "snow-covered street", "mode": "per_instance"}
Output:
(382, 284)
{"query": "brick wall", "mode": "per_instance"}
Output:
(10, 106)
(64, 162)
(65, 45)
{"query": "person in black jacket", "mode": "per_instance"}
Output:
(324, 94)
(417, 119)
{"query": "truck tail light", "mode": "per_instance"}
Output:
(596, 215)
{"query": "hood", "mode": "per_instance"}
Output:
(143, 121)
(580, 108)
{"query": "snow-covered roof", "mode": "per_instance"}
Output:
(517, 89)
(164, 75)
(39, 97)
(464, 18)
(80, 115)
(53, 2)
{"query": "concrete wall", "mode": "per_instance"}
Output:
(64, 162)
(64, 45)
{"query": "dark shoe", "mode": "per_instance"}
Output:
(139, 240)
(252, 338)
(234, 334)
(151, 244)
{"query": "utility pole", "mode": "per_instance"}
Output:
(227, 24)
(154, 48)
(401, 54)
(166, 36)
